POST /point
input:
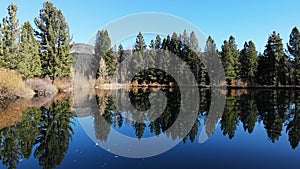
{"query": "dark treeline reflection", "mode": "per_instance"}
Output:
(43, 132)
(277, 110)
(157, 122)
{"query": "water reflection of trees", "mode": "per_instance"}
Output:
(140, 100)
(293, 125)
(44, 132)
(277, 110)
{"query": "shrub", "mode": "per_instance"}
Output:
(41, 86)
(11, 85)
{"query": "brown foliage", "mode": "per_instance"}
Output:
(233, 83)
(135, 83)
(41, 86)
(63, 85)
(11, 85)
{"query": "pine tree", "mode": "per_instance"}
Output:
(111, 60)
(264, 70)
(10, 32)
(102, 44)
(152, 45)
(230, 117)
(277, 60)
(210, 51)
(140, 44)
(102, 47)
(157, 42)
(55, 134)
(54, 36)
(174, 48)
(30, 63)
(294, 50)
(198, 66)
(121, 53)
(174, 44)
(152, 73)
(249, 62)
(165, 53)
(166, 43)
(210, 45)
(121, 58)
(166, 66)
(139, 52)
(139, 129)
(138, 63)
(194, 43)
(230, 59)
(185, 39)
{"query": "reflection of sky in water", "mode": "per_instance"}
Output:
(243, 151)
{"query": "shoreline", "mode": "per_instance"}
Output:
(129, 86)
(116, 86)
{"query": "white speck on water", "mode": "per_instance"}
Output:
(116, 156)
(97, 144)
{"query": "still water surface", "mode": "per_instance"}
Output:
(258, 129)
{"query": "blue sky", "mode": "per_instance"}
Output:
(246, 20)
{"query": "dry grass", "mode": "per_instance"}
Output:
(11, 85)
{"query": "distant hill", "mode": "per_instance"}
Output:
(83, 48)
(84, 60)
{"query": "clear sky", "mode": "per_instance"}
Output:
(245, 20)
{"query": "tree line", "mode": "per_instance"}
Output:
(42, 52)
(276, 66)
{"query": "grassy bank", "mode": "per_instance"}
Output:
(12, 86)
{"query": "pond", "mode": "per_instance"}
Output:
(257, 129)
